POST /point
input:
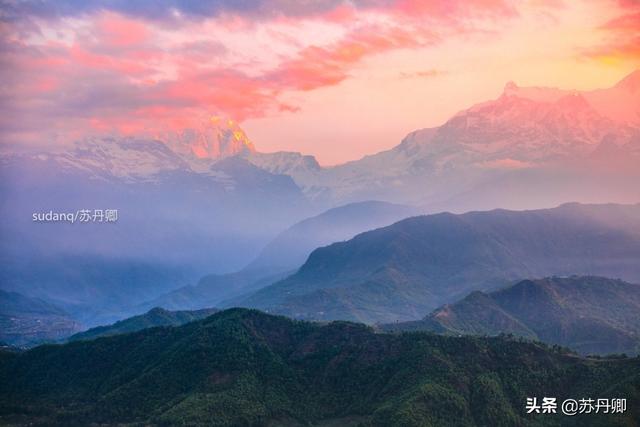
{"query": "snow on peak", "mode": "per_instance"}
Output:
(620, 103)
(120, 157)
(215, 138)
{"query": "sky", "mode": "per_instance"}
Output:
(336, 79)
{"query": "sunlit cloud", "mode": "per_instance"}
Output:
(423, 74)
(149, 64)
(621, 35)
(71, 68)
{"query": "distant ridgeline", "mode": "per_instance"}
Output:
(587, 314)
(404, 271)
(243, 367)
(153, 318)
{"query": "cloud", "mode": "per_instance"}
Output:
(70, 67)
(621, 34)
(317, 66)
(174, 10)
(423, 74)
(121, 31)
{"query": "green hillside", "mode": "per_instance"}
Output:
(242, 367)
(154, 317)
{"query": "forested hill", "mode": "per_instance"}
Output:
(244, 367)
(155, 317)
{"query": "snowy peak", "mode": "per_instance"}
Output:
(537, 94)
(215, 138)
(122, 157)
(620, 103)
(554, 120)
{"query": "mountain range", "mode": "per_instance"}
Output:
(243, 367)
(588, 314)
(203, 203)
(174, 225)
(407, 269)
(558, 145)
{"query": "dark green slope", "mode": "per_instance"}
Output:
(410, 268)
(588, 314)
(154, 317)
(242, 367)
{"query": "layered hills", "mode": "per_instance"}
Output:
(402, 271)
(286, 253)
(204, 203)
(587, 314)
(153, 318)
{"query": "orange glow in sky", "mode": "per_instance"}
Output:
(338, 80)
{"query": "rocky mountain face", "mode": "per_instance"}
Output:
(415, 265)
(215, 139)
(588, 314)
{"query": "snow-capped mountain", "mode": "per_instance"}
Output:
(206, 199)
(214, 139)
(126, 158)
(144, 158)
(178, 217)
(523, 131)
(620, 103)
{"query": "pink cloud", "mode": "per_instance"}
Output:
(317, 66)
(423, 74)
(116, 74)
(120, 31)
(622, 34)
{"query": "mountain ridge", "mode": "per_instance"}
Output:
(523, 129)
(394, 272)
(587, 314)
(153, 318)
(284, 254)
